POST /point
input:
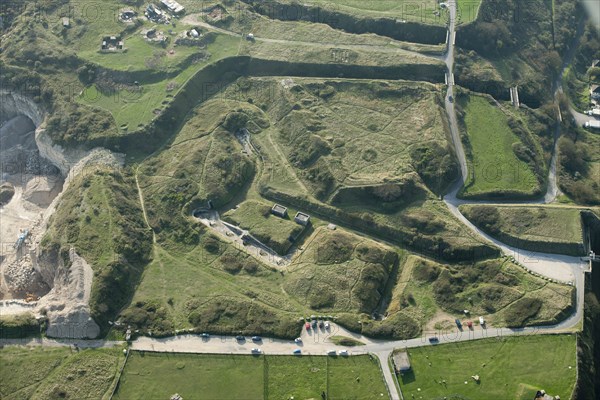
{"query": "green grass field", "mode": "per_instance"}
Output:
(405, 9)
(131, 109)
(155, 375)
(509, 368)
(56, 373)
(468, 10)
(493, 165)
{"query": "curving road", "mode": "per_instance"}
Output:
(554, 266)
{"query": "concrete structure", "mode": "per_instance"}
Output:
(401, 362)
(127, 15)
(279, 210)
(112, 43)
(514, 97)
(174, 7)
(302, 219)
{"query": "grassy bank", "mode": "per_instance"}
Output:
(100, 217)
(541, 229)
(42, 373)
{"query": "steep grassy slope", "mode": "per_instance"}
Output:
(100, 217)
(542, 229)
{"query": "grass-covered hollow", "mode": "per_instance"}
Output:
(488, 288)
(337, 273)
(248, 377)
(508, 368)
(541, 229)
(346, 141)
(278, 233)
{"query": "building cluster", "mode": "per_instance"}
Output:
(281, 211)
(164, 11)
(594, 111)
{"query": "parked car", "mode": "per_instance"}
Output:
(321, 324)
(433, 340)
(256, 351)
(205, 335)
(343, 352)
(314, 324)
(256, 339)
(450, 99)
(307, 326)
(298, 340)
(327, 325)
(297, 351)
(240, 338)
(458, 323)
(331, 352)
(469, 324)
(481, 321)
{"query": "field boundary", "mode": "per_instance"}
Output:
(393, 370)
(118, 376)
(263, 359)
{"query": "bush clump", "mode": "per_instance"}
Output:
(486, 217)
(337, 248)
(521, 311)
(425, 272)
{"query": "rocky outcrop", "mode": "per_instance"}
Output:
(7, 191)
(67, 304)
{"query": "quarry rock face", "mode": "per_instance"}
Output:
(67, 304)
(14, 104)
(38, 279)
(42, 190)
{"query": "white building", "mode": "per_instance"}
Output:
(173, 6)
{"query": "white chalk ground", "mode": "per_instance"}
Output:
(66, 305)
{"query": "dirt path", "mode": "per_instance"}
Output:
(392, 47)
